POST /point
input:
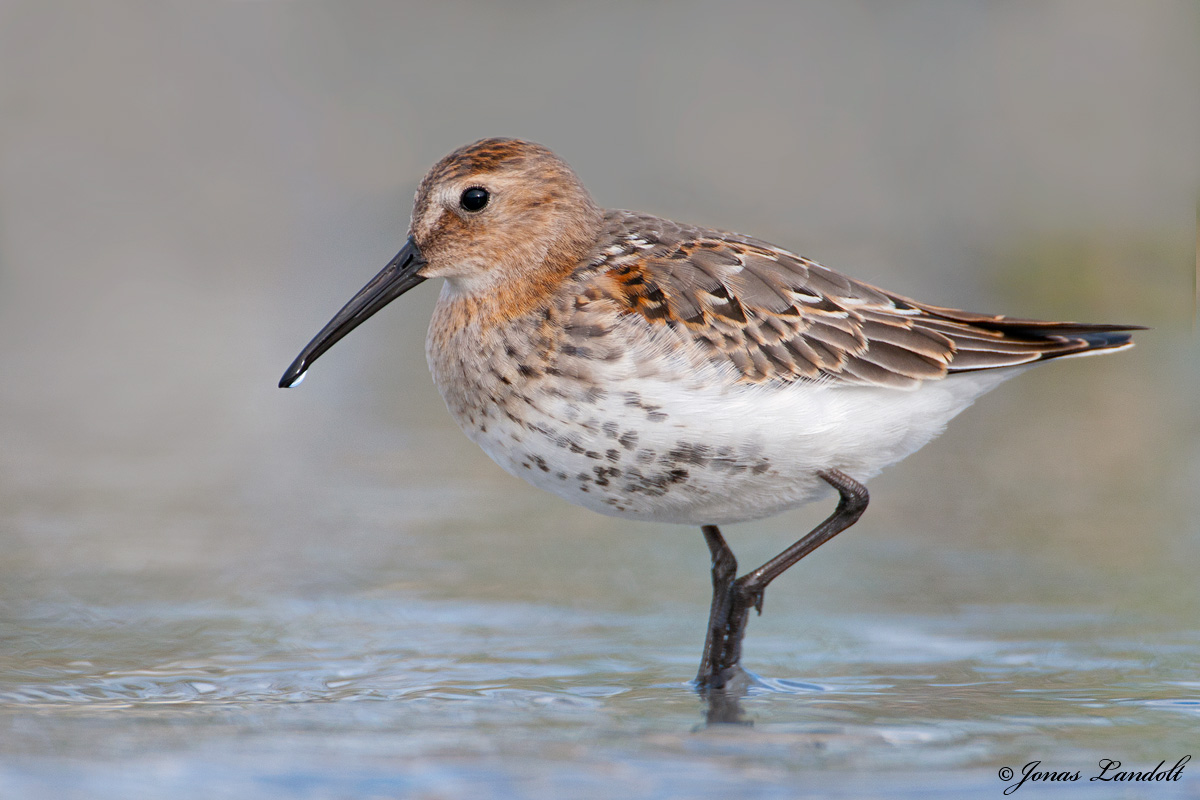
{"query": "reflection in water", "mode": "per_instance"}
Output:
(724, 705)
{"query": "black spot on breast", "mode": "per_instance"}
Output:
(604, 473)
(688, 453)
(655, 485)
(628, 439)
(612, 455)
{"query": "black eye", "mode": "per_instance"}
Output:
(474, 199)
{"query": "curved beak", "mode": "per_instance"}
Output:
(395, 279)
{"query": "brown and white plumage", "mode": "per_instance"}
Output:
(645, 368)
(778, 316)
(658, 371)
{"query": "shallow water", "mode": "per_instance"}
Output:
(370, 696)
(213, 588)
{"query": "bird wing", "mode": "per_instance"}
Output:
(778, 316)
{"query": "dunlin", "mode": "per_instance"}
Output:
(657, 371)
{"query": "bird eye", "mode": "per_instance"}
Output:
(474, 199)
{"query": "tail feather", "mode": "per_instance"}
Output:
(1106, 340)
(1006, 341)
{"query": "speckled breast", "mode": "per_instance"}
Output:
(591, 417)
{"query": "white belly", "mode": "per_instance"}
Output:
(699, 454)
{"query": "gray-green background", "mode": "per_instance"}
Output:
(212, 588)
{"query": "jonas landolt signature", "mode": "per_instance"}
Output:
(1110, 769)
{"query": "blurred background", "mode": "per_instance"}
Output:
(211, 586)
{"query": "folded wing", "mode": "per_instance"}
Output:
(777, 316)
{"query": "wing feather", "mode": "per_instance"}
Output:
(775, 315)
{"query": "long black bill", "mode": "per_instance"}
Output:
(395, 279)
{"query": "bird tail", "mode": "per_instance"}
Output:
(984, 341)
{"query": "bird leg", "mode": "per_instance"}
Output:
(724, 581)
(733, 597)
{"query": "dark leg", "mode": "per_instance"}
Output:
(724, 576)
(733, 598)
